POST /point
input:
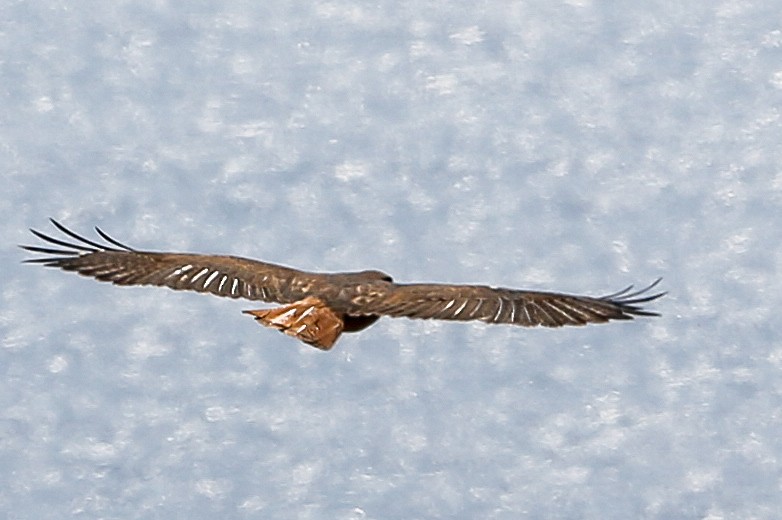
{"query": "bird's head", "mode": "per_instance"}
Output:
(376, 275)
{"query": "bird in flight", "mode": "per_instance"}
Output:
(318, 307)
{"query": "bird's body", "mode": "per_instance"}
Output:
(318, 307)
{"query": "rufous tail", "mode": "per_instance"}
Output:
(308, 320)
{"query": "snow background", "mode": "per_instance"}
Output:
(577, 146)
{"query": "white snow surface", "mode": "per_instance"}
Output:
(576, 146)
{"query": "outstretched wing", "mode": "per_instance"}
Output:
(228, 276)
(497, 305)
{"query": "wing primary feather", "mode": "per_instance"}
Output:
(222, 283)
(474, 311)
(625, 296)
(498, 314)
(48, 251)
(617, 294)
(249, 291)
(548, 319)
(59, 242)
(199, 274)
(513, 311)
(185, 268)
(562, 310)
(79, 237)
(527, 316)
(83, 246)
(110, 240)
(210, 278)
(460, 308)
(629, 302)
(580, 312)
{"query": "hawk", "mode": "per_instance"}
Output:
(318, 307)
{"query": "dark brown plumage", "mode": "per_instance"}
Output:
(320, 306)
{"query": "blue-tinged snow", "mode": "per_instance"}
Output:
(575, 146)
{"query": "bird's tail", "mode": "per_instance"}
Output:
(308, 320)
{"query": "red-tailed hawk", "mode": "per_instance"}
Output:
(321, 306)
